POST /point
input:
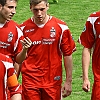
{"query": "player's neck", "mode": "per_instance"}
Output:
(2, 20)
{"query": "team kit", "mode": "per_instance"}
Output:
(38, 48)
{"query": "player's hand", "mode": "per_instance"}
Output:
(26, 42)
(66, 89)
(86, 85)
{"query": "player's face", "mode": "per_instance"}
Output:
(8, 10)
(40, 12)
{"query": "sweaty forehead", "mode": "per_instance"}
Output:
(11, 2)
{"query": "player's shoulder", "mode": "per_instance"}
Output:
(57, 20)
(26, 22)
(95, 14)
(13, 22)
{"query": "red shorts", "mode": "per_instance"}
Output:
(9, 94)
(51, 93)
(96, 91)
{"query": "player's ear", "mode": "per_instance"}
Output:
(0, 6)
(30, 7)
(47, 6)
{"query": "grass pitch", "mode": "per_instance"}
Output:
(74, 13)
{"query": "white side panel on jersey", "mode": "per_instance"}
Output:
(20, 33)
(92, 20)
(63, 27)
(22, 28)
(7, 66)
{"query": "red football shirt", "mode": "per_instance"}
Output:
(44, 59)
(7, 77)
(89, 38)
(9, 38)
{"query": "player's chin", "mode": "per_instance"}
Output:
(8, 19)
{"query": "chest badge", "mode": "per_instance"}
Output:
(10, 37)
(52, 32)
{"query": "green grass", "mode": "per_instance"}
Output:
(74, 13)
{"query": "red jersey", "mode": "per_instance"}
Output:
(44, 58)
(9, 38)
(89, 38)
(7, 77)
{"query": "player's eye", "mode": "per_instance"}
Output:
(42, 9)
(39, 9)
(11, 7)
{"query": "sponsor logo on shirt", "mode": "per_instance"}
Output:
(4, 45)
(48, 41)
(44, 41)
(30, 30)
(36, 42)
(52, 32)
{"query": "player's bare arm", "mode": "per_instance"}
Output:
(85, 66)
(67, 88)
(26, 42)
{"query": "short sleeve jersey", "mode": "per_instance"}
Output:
(49, 42)
(10, 34)
(7, 70)
(90, 38)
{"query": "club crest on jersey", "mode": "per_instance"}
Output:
(52, 32)
(10, 37)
